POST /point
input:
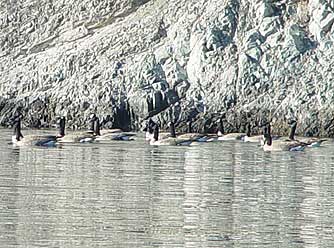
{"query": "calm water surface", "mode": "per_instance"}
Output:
(130, 194)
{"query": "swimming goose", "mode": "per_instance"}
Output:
(249, 138)
(75, 137)
(31, 140)
(93, 119)
(280, 145)
(196, 137)
(310, 141)
(230, 136)
(112, 134)
(149, 130)
(169, 141)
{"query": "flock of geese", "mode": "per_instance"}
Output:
(172, 138)
(266, 139)
(93, 134)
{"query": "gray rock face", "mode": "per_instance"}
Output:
(127, 60)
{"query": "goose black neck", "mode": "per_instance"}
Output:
(62, 127)
(269, 140)
(97, 129)
(91, 124)
(221, 126)
(17, 129)
(172, 130)
(190, 128)
(267, 134)
(266, 129)
(293, 130)
(150, 126)
(156, 133)
(248, 129)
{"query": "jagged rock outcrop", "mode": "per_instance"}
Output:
(130, 59)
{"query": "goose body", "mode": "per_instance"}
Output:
(309, 141)
(111, 134)
(253, 139)
(280, 144)
(31, 140)
(284, 145)
(196, 137)
(172, 136)
(230, 136)
(75, 137)
(190, 135)
(170, 141)
(35, 140)
(115, 136)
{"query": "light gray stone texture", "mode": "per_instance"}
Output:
(127, 60)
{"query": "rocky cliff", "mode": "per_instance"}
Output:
(130, 59)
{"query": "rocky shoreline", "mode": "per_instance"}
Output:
(192, 59)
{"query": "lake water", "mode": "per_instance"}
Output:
(130, 194)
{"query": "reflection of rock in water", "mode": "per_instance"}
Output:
(193, 194)
(208, 190)
(59, 193)
(49, 199)
(166, 189)
(277, 199)
(312, 206)
(9, 196)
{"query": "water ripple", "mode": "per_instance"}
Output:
(123, 194)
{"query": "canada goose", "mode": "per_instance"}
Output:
(149, 131)
(310, 141)
(31, 140)
(230, 136)
(280, 145)
(249, 138)
(112, 135)
(75, 137)
(104, 131)
(265, 125)
(196, 137)
(169, 141)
